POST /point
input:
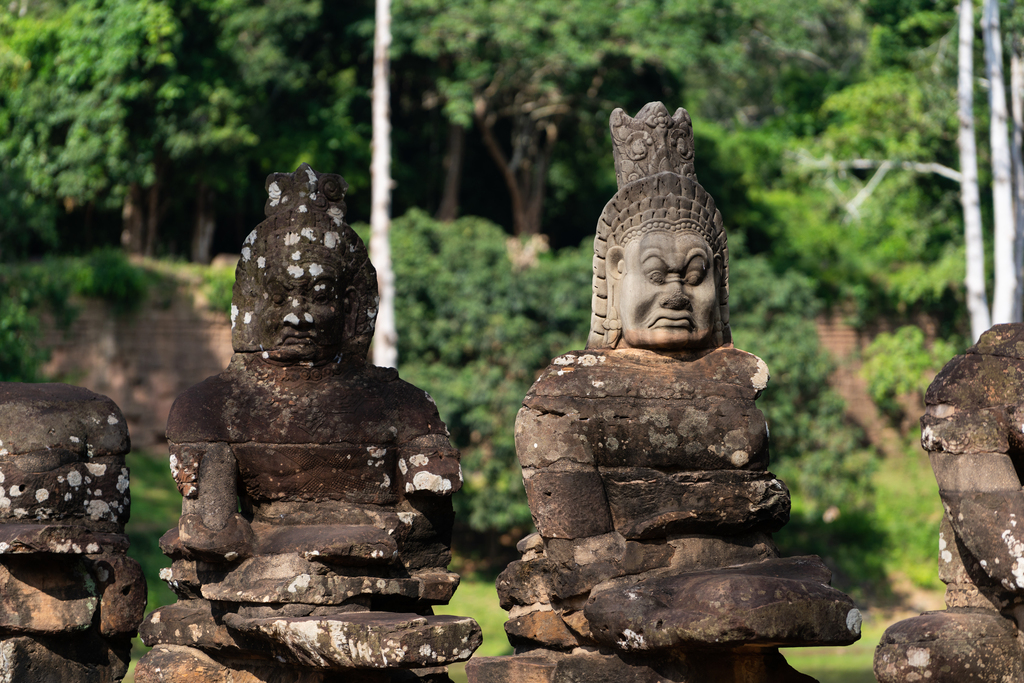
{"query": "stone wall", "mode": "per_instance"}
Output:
(141, 360)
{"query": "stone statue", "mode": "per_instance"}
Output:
(316, 513)
(70, 600)
(645, 464)
(972, 429)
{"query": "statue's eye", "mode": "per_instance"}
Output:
(277, 294)
(695, 272)
(657, 277)
(321, 296)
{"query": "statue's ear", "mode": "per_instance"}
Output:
(348, 307)
(614, 259)
(719, 274)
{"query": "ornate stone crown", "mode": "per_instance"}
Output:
(305, 221)
(658, 190)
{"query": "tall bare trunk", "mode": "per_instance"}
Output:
(977, 301)
(449, 208)
(131, 220)
(205, 225)
(385, 340)
(1002, 191)
(1017, 106)
(485, 120)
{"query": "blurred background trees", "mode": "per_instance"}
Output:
(825, 129)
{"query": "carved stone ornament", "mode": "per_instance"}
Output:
(645, 462)
(972, 430)
(70, 600)
(316, 514)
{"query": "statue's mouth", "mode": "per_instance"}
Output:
(684, 322)
(294, 337)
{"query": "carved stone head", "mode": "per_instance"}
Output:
(305, 291)
(661, 263)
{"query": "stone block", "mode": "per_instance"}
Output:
(980, 472)
(987, 523)
(783, 602)
(46, 421)
(123, 593)
(981, 431)
(543, 439)
(94, 492)
(950, 647)
(333, 543)
(974, 381)
(542, 627)
(695, 552)
(65, 658)
(58, 539)
(647, 503)
(40, 596)
(568, 504)
(365, 640)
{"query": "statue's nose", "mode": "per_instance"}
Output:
(675, 299)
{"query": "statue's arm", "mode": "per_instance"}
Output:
(207, 477)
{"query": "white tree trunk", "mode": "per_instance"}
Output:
(977, 301)
(385, 340)
(1017, 102)
(1004, 248)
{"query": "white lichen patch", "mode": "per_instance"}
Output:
(295, 271)
(274, 190)
(739, 458)
(292, 318)
(386, 482)
(402, 467)
(74, 439)
(303, 209)
(250, 238)
(291, 238)
(247, 318)
(632, 640)
(918, 657)
(428, 481)
(315, 269)
(406, 517)
(336, 217)
(246, 253)
(122, 480)
(419, 460)
(760, 379)
(96, 469)
(75, 478)
(112, 419)
(16, 491)
(300, 584)
(307, 317)
(854, 619)
(42, 495)
(296, 255)
(234, 314)
(98, 509)
(376, 452)
(567, 359)
(261, 262)
(587, 360)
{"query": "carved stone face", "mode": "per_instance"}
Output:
(301, 314)
(665, 288)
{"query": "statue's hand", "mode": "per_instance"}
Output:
(233, 541)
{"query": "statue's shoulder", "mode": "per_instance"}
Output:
(198, 412)
(603, 373)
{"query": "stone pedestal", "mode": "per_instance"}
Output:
(973, 430)
(70, 600)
